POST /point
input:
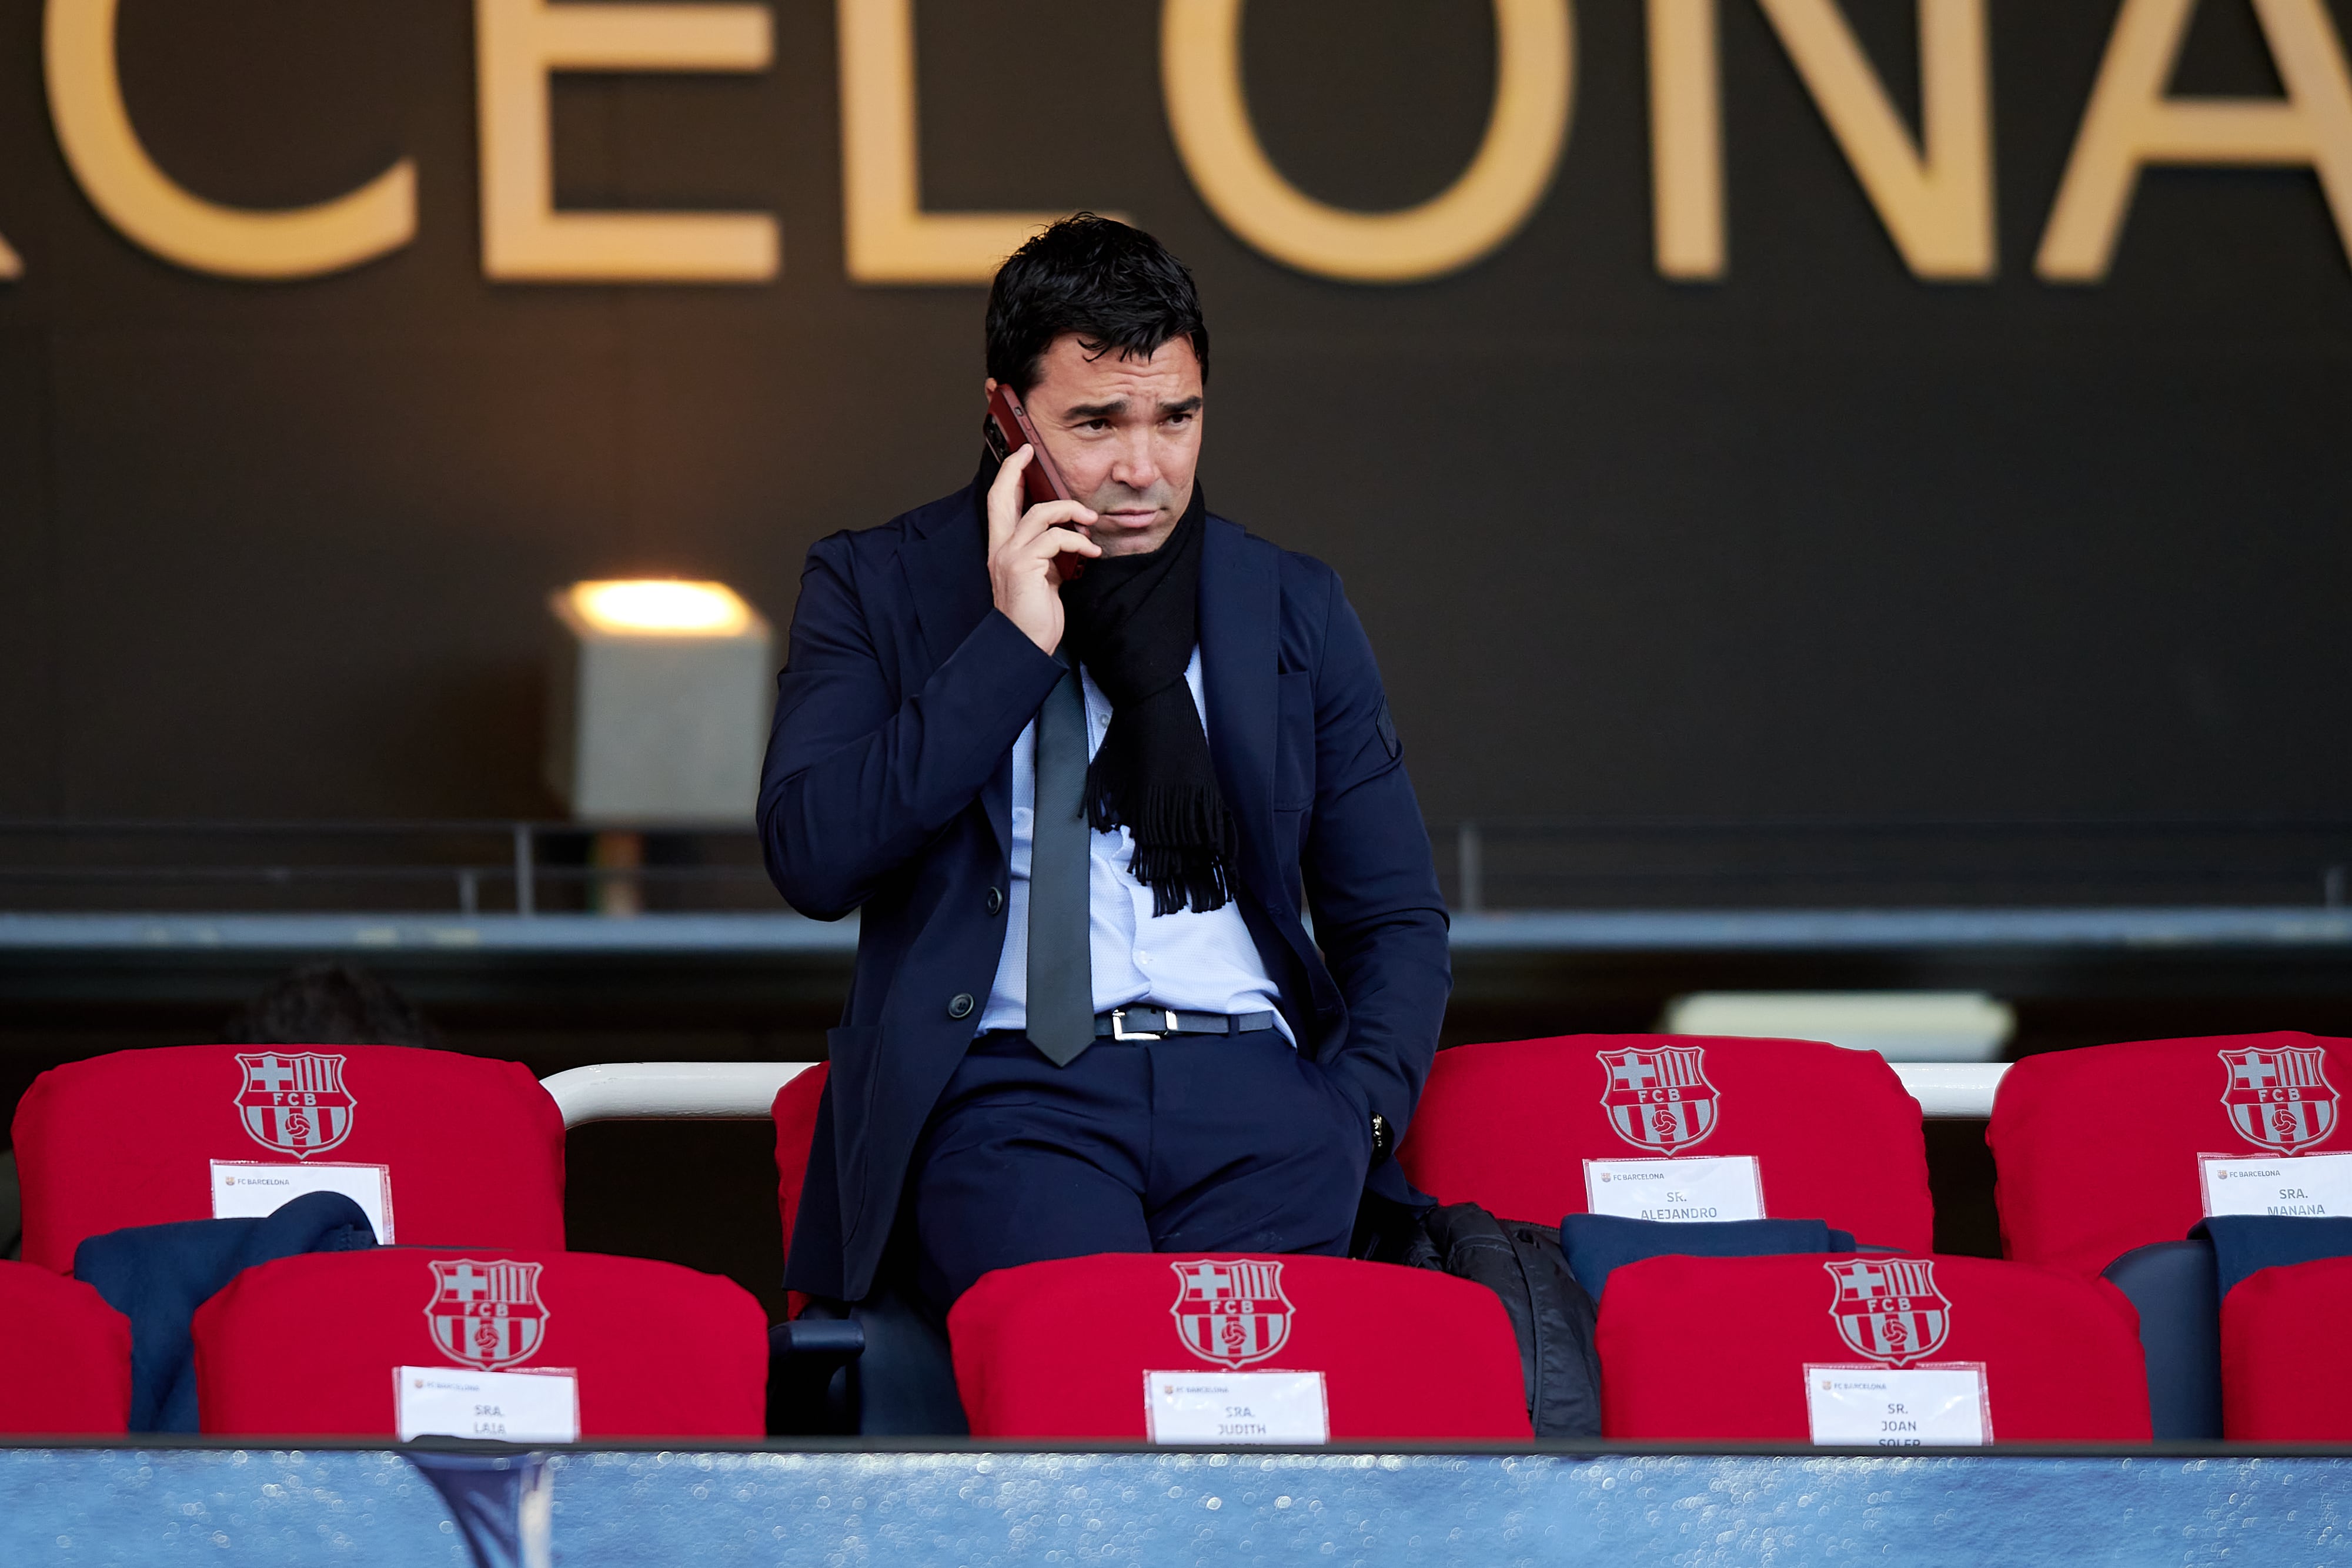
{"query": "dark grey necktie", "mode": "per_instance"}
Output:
(1061, 963)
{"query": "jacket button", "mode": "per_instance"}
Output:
(995, 900)
(959, 1006)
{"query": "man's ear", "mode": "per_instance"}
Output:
(987, 387)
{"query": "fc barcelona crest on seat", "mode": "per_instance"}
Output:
(294, 1101)
(2280, 1098)
(1659, 1100)
(1233, 1313)
(1889, 1309)
(486, 1315)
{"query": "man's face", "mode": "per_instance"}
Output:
(1125, 432)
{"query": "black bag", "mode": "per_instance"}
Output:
(1550, 1312)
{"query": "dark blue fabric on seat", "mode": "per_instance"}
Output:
(158, 1275)
(1597, 1243)
(2170, 1284)
(2244, 1243)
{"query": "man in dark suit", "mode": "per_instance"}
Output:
(1084, 768)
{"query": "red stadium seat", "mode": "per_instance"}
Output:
(1060, 1350)
(65, 1357)
(2107, 1148)
(795, 1112)
(1530, 1129)
(2286, 1363)
(1726, 1349)
(309, 1345)
(456, 1149)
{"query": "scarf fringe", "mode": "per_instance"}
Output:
(1133, 623)
(1184, 841)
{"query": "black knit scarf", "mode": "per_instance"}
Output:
(1133, 622)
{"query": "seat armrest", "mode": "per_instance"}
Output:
(812, 1377)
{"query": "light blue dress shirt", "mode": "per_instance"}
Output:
(1189, 961)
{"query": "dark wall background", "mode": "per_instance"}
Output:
(1822, 540)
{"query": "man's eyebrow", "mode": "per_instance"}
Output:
(1117, 406)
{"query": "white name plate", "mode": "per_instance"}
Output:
(1918, 1406)
(1237, 1407)
(1716, 1186)
(511, 1406)
(247, 1189)
(2300, 1186)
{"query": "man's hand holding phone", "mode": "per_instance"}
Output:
(1031, 552)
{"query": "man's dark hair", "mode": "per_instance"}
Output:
(1116, 287)
(331, 1004)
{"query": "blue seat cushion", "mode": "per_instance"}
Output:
(2244, 1243)
(2171, 1284)
(1598, 1243)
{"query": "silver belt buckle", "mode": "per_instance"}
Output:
(1118, 1024)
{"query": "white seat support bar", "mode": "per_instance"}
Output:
(1952, 1090)
(743, 1091)
(670, 1091)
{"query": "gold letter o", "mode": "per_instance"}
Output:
(1208, 111)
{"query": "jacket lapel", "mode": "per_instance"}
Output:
(1241, 607)
(947, 575)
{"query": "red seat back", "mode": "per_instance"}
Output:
(795, 1111)
(2096, 1150)
(1060, 1349)
(306, 1345)
(2286, 1360)
(1835, 1133)
(1715, 1349)
(473, 1149)
(65, 1356)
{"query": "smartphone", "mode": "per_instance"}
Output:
(1007, 430)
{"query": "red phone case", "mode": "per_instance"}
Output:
(1041, 482)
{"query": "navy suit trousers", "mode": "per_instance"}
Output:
(1190, 1144)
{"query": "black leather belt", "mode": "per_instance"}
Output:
(1151, 1023)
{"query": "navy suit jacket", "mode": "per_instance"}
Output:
(888, 790)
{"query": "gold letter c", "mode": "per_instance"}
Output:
(1208, 111)
(123, 182)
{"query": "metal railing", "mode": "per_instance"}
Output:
(505, 866)
(523, 867)
(1680, 862)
